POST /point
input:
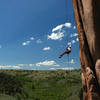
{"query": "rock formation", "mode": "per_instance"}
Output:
(87, 16)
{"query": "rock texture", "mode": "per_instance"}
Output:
(87, 16)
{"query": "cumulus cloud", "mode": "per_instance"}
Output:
(26, 43)
(39, 41)
(77, 39)
(17, 66)
(31, 38)
(73, 35)
(59, 27)
(23, 65)
(31, 65)
(47, 63)
(64, 68)
(69, 43)
(58, 31)
(0, 46)
(74, 27)
(46, 48)
(72, 61)
(73, 41)
(67, 68)
(68, 25)
(56, 36)
(9, 67)
(52, 68)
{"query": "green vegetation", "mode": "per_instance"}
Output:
(40, 85)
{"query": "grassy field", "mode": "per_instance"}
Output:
(40, 85)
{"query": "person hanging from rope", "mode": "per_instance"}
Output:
(68, 51)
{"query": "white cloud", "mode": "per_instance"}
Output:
(74, 27)
(58, 31)
(46, 48)
(17, 66)
(26, 43)
(33, 69)
(52, 68)
(72, 61)
(69, 43)
(64, 68)
(9, 67)
(31, 65)
(31, 38)
(39, 41)
(74, 35)
(68, 25)
(0, 46)
(59, 27)
(77, 39)
(56, 36)
(73, 41)
(67, 68)
(47, 63)
(22, 65)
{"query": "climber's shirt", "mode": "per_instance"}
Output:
(69, 48)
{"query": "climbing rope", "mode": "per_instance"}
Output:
(68, 58)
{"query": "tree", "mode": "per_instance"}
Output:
(87, 16)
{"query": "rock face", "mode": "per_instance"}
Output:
(87, 16)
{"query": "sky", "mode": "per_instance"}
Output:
(33, 33)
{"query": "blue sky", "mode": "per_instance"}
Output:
(33, 33)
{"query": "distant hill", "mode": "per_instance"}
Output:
(40, 85)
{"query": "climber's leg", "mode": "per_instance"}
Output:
(63, 54)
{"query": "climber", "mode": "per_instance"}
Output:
(68, 50)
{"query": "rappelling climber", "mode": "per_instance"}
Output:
(68, 50)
